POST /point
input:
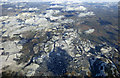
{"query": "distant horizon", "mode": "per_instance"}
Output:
(59, 0)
